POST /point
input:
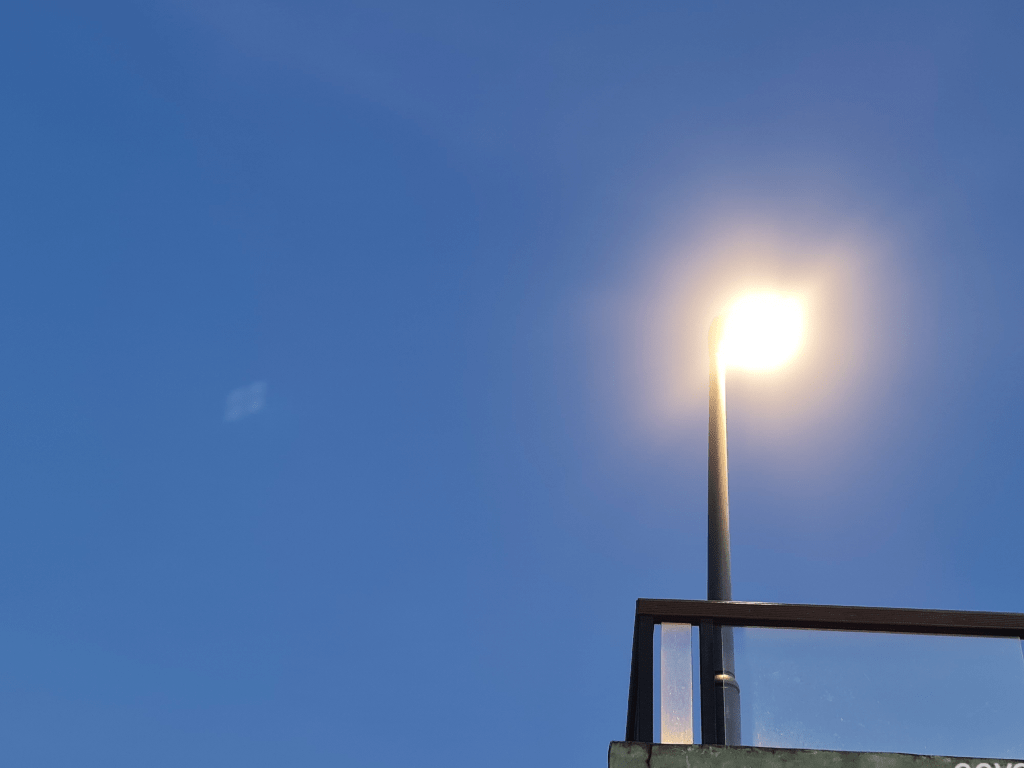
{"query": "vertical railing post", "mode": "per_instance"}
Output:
(709, 721)
(633, 682)
(640, 713)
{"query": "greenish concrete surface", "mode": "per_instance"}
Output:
(623, 754)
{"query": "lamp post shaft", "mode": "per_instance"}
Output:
(726, 724)
(719, 560)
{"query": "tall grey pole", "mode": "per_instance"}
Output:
(727, 691)
(719, 561)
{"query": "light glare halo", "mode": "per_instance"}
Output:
(762, 331)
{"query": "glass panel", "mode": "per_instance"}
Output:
(676, 685)
(880, 692)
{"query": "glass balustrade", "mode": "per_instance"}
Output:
(856, 691)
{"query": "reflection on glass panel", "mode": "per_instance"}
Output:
(676, 685)
(880, 692)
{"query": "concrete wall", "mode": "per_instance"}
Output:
(623, 754)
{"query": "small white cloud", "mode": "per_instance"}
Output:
(245, 401)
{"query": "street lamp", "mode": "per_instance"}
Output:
(759, 332)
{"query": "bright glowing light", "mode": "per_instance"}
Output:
(762, 331)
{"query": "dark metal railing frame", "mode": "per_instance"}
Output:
(709, 615)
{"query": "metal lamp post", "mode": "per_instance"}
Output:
(727, 690)
(760, 332)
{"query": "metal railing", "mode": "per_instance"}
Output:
(714, 618)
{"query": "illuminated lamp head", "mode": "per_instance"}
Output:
(761, 331)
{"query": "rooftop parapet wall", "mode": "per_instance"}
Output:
(626, 754)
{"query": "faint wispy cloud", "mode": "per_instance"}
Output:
(245, 401)
(474, 89)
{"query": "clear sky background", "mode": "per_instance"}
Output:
(353, 355)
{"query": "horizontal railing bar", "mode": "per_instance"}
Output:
(920, 621)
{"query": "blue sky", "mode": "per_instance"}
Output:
(458, 259)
